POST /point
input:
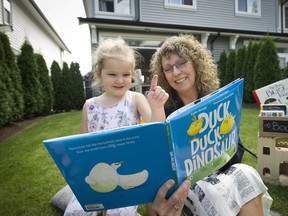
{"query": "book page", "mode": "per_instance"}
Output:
(275, 93)
(131, 163)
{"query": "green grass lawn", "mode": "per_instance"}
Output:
(29, 178)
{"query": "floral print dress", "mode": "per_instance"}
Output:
(103, 118)
(120, 115)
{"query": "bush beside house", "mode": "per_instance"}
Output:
(28, 91)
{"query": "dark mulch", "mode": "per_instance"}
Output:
(251, 105)
(14, 127)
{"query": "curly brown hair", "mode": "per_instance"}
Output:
(187, 47)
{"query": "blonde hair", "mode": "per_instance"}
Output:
(114, 49)
(187, 47)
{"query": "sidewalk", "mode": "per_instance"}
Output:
(274, 213)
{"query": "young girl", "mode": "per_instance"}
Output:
(117, 106)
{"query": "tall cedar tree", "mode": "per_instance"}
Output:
(67, 98)
(222, 67)
(285, 72)
(230, 67)
(249, 65)
(267, 68)
(56, 79)
(239, 64)
(6, 101)
(14, 74)
(78, 90)
(33, 97)
(45, 82)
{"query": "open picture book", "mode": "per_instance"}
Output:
(126, 166)
(274, 93)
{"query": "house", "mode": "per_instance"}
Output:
(22, 20)
(218, 25)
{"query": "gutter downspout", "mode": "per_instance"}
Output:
(212, 41)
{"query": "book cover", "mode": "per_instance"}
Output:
(127, 166)
(275, 93)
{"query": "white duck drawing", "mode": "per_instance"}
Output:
(104, 178)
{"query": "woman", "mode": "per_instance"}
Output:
(186, 71)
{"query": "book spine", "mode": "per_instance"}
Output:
(256, 98)
(172, 154)
(213, 166)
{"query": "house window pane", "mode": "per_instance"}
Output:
(253, 6)
(286, 17)
(188, 2)
(123, 6)
(115, 6)
(106, 5)
(242, 5)
(7, 12)
(175, 1)
(181, 2)
(249, 6)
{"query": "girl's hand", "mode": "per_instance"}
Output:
(174, 205)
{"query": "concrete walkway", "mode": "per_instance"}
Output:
(273, 213)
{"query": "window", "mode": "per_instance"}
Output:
(115, 6)
(7, 12)
(282, 62)
(248, 7)
(181, 4)
(286, 16)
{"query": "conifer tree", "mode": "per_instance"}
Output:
(285, 72)
(6, 101)
(267, 68)
(5, 110)
(56, 79)
(16, 90)
(45, 82)
(249, 64)
(33, 97)
(239, 63)
(222, 67)
(229, 74)
(67, 81)
(78, 90)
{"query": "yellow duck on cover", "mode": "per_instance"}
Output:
(104, 178)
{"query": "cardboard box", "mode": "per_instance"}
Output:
(273, 126)
(273, 159)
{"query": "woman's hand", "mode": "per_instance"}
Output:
(174, 205)
(157, 96)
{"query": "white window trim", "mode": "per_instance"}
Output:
(5, 6)
(285, 6)
(282, 55)
(105, 35)
(103, 14)
(247, 14)
(181, 7)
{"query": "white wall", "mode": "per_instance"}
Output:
(26, 26)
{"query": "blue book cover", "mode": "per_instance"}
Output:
(127, 166)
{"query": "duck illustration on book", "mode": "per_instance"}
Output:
(227, 124)
(104, 178)
(195, 126)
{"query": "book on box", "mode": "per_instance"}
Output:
(274, 93)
